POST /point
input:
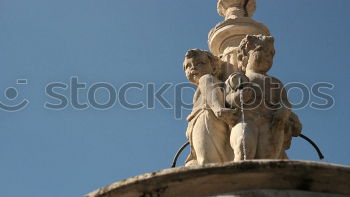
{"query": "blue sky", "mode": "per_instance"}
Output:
(70, 152)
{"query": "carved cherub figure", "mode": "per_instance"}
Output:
(268, 117)
(208, 131)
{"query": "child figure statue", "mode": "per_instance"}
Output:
(208, 124)
(269, 123)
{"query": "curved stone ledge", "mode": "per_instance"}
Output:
(230, 33)
(278, 193)
(230, 178)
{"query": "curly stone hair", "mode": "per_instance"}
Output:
(252, 42)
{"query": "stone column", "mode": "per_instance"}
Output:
(226, 36)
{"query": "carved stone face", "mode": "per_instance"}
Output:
(261, 58)
(197, 66)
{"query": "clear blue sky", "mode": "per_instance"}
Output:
(69, 152)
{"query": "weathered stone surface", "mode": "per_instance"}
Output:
(230, 33)
(208, 123)
(243, 45)
(236, 8)
(265, 132)
(247, 117)
(277, 193)
(240, 179)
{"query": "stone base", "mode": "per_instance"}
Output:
(243, 179)
(278, 193)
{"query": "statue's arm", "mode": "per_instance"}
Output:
(212, 92)
(234, 84)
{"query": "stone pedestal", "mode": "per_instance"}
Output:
(230, 33)
(261, 178)
(227, 35)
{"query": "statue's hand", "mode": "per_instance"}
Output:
(230, 116)
(236, 81)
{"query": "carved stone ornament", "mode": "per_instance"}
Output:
(236, 8)
(242, 116)
(237, 24)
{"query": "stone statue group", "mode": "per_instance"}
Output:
(246, 115)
